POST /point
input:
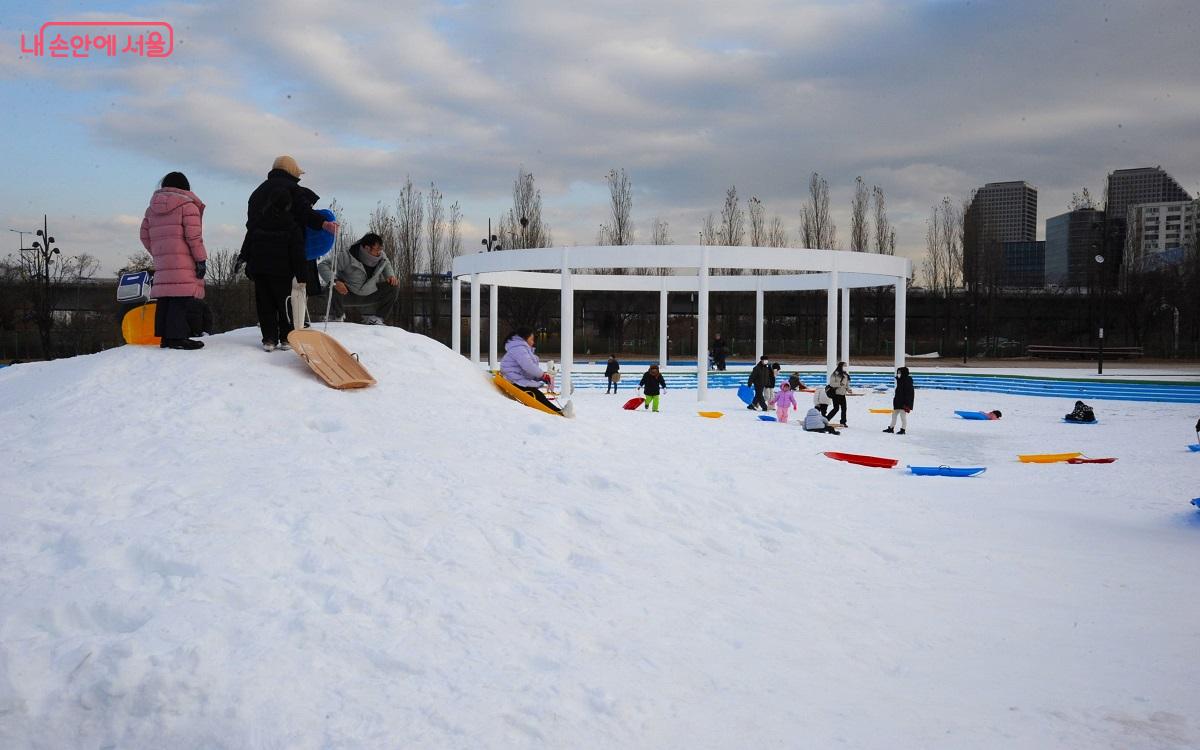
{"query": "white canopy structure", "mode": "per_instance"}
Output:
(691, 266)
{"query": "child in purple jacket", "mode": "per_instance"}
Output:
(782, 400)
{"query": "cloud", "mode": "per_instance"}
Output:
(925, 99)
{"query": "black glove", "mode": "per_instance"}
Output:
(201, 268)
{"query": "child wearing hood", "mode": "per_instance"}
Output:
(785, 398)
(652, 385)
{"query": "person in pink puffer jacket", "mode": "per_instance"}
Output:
(173, 232)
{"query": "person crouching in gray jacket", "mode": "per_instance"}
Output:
(358, 274)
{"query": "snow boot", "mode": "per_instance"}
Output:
(900, 431)
(888, 429)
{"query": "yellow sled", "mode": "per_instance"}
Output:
(137, 327)
(1047, 458)
(329, 360)
(711, 414)
(880, 411)
(520, 396)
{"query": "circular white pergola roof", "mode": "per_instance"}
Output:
(690, 269)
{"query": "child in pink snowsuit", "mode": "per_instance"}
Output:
(782, 400)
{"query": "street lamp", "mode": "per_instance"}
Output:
(1100, 347)
(22, 233)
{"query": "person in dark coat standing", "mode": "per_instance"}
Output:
(278, 212)
(902, 401)
(760, 376)
(719, 352)
(839, 382)
(612, 371)
(652, 384)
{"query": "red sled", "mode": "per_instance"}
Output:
(1082, 460)
(855, 458)
(633, 403)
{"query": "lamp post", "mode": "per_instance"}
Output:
(491, 242)
(1100, 339)
(21, 240)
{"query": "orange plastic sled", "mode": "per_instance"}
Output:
(329, 360)
(520, 396)
(1047, 458)
(137, 327)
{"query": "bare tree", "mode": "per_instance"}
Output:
(142, 261)
(523, 227)
(732, 230)
(454, 231)
(708, 232)
(410, 216)
(1081, 200)
(660, 232)
(859, 229)
(435, 232)
(943, 249)
(817, 230)
(777, 235)
(620, 229)
(758, 222)
(885, 235)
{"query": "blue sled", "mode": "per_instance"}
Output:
(767, 418)
(317, 242)
(746, 394)
(1194, 447)
(972, 415)
(1076, 421)
(947, 471)
(1196, 502)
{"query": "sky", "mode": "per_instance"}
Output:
(924, 99)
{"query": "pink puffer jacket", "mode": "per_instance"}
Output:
(173, 233)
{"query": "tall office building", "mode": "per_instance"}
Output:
(1160, 233)
(1024, 265)
(1000, 212)
(1073, 240)
(1128, 188)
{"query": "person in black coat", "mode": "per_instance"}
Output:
(760, 376)
(612, 371)
(652, 384)
(277, 214)
(719, 352)
(902, 401)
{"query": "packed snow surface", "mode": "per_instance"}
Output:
(212, 549)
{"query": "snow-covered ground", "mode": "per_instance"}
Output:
(212, 549)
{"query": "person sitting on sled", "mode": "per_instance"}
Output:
(994, 414)
(785, 398)
(815, 421)
(1082, 413)
(520, 366)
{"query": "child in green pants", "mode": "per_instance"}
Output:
(652, 384)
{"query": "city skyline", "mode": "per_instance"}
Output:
(924, 99)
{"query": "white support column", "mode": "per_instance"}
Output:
(702, 330)
(456, 315)
(759, 308)
(901, 320)
(493, 326)
(662, 325)
(567, 329)
(831, 326)
(845, 326)
(475, 318)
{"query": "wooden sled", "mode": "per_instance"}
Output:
(520, 396)
(137, 326)
(329, 360)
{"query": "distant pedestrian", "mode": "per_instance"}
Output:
(173, 232)
(772, 378)
(839, 381)
(652, 385)
(719, 352)
(902, 401)
(785, 399)
(612, 371)
(759, 377)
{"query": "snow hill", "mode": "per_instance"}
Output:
(212, 549)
